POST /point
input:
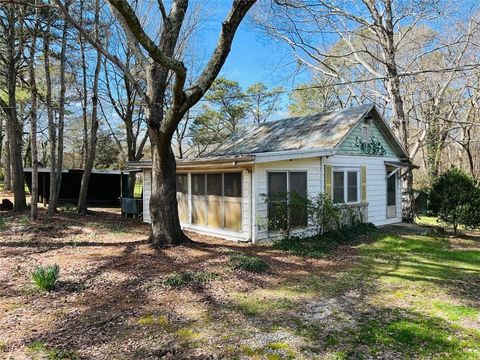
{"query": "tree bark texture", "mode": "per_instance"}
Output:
(33, 124)
(92, 139)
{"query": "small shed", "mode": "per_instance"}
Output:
(105, 187)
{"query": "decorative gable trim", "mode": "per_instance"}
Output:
(374, 147)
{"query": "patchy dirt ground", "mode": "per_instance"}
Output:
(112, 301)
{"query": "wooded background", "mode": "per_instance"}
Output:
(75, 93)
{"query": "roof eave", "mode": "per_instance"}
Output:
(291, 155)
(231, 161)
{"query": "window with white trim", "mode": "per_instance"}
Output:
(282, 185)
(346, 185)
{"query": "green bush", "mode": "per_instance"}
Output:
(321, 245)
(46, 277)
(246, 262)
(189, 278)
(287, 211)
(324, 213)
(455, 199)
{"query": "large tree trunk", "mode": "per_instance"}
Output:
(52, 131)
(400, 121)
(33, 126)
(92, 143)
(15, 128)
(7, 167)
(61, 110)
(163, 204)
(166, 230)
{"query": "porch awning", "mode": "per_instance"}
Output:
(398, 165)
(406, 164)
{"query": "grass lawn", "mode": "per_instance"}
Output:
(381, 295)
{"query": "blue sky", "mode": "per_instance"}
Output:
(253, 57)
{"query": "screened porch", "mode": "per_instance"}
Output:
(210, 200)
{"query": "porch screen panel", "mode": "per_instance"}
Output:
(182, 196)
(214, 200)
(277, 204)
(199, 205)
(298, 204)
(232, 201)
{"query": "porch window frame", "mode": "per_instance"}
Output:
(205, 195)
(345, 171)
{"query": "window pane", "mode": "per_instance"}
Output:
(338, 187)
(298, 195)
(214, 184)
(391, 190)
(233, 184)
(352, 179)
(277, 205)
(298, 183)
(198, 184)
(277, 183)
(182, 183)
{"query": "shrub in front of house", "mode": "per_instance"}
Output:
(290, 211)
(45, 278)
(455, 199)
(321, 245)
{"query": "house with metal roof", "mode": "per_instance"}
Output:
(350, 154)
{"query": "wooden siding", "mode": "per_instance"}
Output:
(348, 146)
(376, 185)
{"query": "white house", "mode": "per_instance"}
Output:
(351, 154)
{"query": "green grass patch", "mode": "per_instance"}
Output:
(322, 245)
(39, 350)
(417, 336)
(3, 222)
(186, 278)
(455, 312)
(254, 305)
(154, 320)
(246, 262)
(188, 335)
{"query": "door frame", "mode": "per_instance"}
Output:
(391, 210)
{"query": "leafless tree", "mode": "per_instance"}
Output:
(12, 60)
(33, 117)
(163, 122)
(91, 139)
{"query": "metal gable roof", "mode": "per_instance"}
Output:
(318, 131)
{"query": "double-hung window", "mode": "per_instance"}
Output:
(286, 189)
(346, 185)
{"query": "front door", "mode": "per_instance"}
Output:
(391, 195)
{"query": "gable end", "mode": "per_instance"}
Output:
(381, 142)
